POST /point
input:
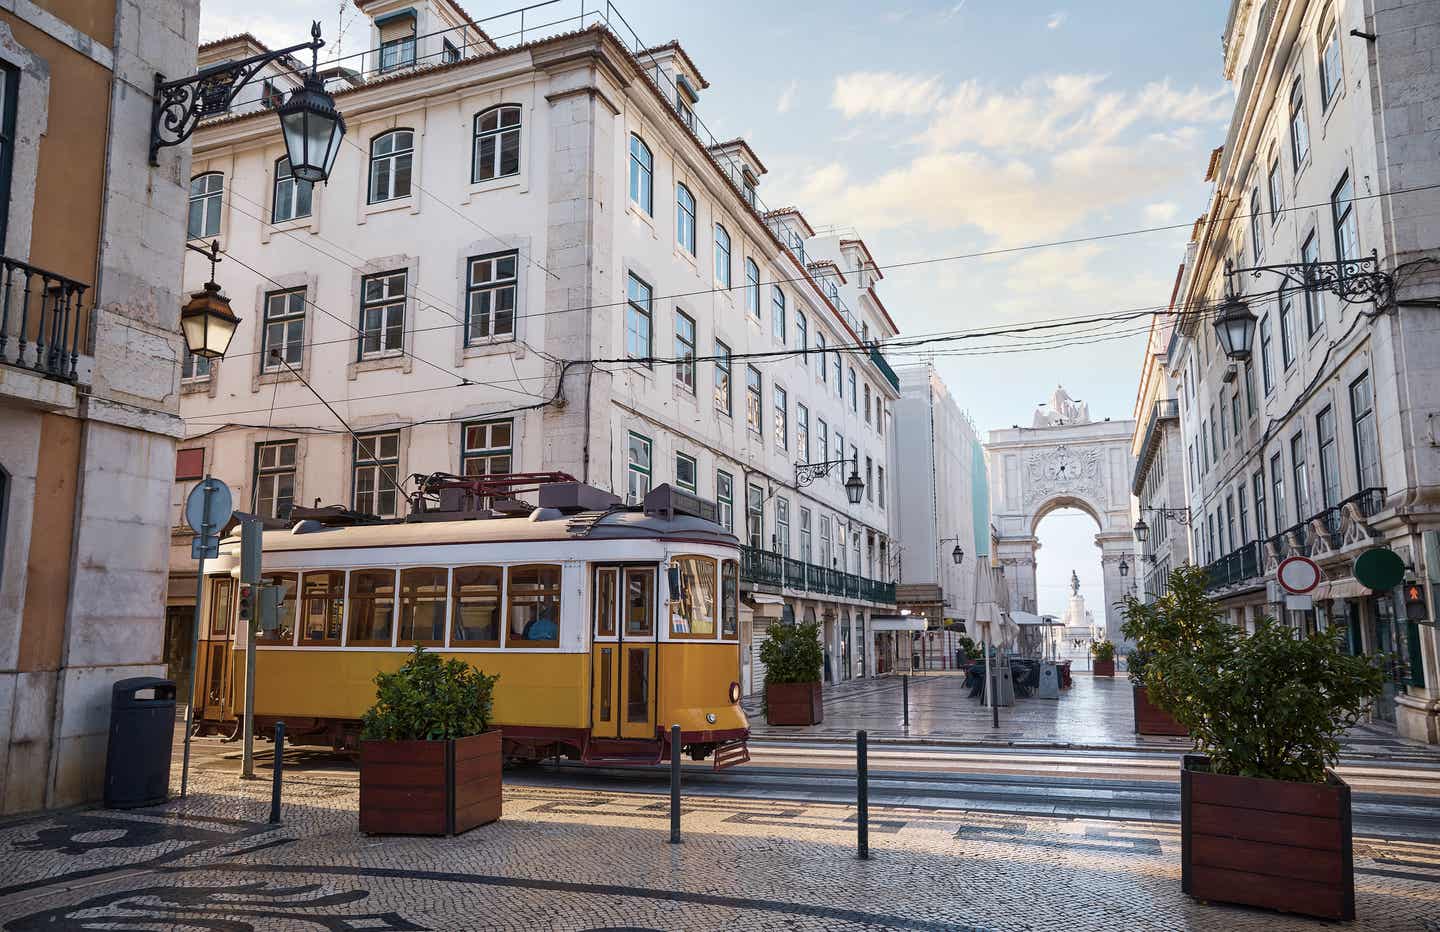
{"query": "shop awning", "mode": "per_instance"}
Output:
(897, 622)
(1346, 588)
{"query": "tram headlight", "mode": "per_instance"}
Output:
(710, 717)
(734, 693)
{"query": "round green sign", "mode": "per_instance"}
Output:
(1380, 569)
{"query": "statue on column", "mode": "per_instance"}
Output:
(1061, 410)
(1074, 583)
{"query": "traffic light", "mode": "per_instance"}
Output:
(247, 595)
(1416, 602)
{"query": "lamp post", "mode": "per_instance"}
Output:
(309, 122)
(206, 319)
(806, 473)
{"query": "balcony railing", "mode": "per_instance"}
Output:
(1368, 502)
(883, 365)
(1237, 566)
(763, 568)
(43, 319)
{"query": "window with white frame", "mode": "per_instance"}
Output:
(397, 53)
(642, 176)
(292, 197)
(826, 558)
(725, 498)
(275, 478)
(1331, 72)
(391, 158)
(206, 193)
(194, 368)
(806, 545)
(1363, 431)
(637, 468)
(1287, 331)
(487, 448)
(1314, 304)
(822, 439)
(782, 526)
(868, 418)
(820, 350)
(637, 321)
(722, 256)
(839, 380)
(685, 351)
(686, 476)
(802, 338)
(1329, 450)
(880, 481)
(1267, 369)
(382, 314)
(854, 395)
(777, 314)
(1257, 240)
(722, 379)
(1302, 476)
(802, 432)
(869, 479)
(1277, 196)
(283, 339)
(752, 399)
(1342, 212)
(490, 298)
(1299, 125)
(782, 417)
(495, 148)
(685, 218)
(755, 515)
(374, 478)
(752, 288)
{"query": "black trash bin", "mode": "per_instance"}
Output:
(142, 731)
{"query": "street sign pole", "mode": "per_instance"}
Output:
(206, 509)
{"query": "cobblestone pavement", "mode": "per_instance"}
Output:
(1096, 712)
(570, 859)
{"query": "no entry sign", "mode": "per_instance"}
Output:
(1298, 575)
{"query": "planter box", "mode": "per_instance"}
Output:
(1268, 843)
(429, 787)
(1153, 720)
(1103, 668)
(793, 704)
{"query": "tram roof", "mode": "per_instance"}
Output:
(617, 525)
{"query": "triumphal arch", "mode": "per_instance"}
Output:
(1065, 459)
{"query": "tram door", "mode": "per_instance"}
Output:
(212, 682)
(625, 654)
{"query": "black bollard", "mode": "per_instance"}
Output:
(862, 794)
(674, 784)
(277, 771)
(905, 696)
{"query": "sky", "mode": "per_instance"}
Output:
(942, 129)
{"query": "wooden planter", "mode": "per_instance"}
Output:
(793, 704)
(429, 787)
(1104, 668)
(1151, 719)
(1268, 843)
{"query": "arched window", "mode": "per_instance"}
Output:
(496, 149)
(685, 218)
(206, 192)
(642, 176)
(752, 288)
(292, 196)
(722, 256)
(391, 158)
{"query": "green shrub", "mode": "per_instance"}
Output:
(430, 699)
(792, 654)
(1272, 704)
(1103, 650)
(968, 646)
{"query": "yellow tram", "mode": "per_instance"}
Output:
(607, 624)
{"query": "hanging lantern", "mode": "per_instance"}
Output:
(1235, 326)
(958, 555)
(313, 130)
(208, 322)
(854, 487)
(1142, 531)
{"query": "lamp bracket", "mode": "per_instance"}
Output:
(1179, 515)
(213, 254)
(806, 473)
(1351, 280)
(179, 105)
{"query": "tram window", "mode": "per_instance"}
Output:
(605, 602)
(729, 599)
(639, 603)
(637, 686)
(284, 632)
(693, 614)
(372, 608)
(222, 607)
(422, 606)
(324, 596)
(476, 598)
(607, 678)
(534, 606)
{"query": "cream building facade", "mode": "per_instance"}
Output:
(533, 257)
(1323, 443)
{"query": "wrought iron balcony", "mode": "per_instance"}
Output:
(43, 320)
(883, 365)
(1237, 566)
(764, 568)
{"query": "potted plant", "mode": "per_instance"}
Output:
(792, 658)
(1150, 629)
(1104, 654)
(429, 761)
(1264, 821)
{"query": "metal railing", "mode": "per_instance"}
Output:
(43, 320)
(883, 365)
(764, 568)
(1368, 502)
(1237, 566)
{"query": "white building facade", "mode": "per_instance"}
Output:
(941, 480)
(1323, 443)
(533, 258)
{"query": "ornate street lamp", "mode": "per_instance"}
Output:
(806, 473)
(206, 320)
(958, 555)
(311, 125)
(854, 487)
(1142, 531)
(1235, 327)
(1124, 567)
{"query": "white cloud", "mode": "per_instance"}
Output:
(884, 93)
(1162, 212)
(787, 97)
(1056, 20)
